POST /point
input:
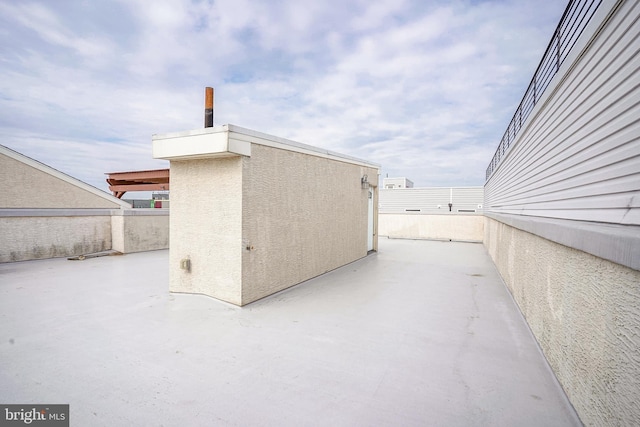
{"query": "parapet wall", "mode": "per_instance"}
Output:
(584, 312)
(468, 228)
(29, 234)
(43, 233)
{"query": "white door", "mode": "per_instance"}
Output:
(370, 222)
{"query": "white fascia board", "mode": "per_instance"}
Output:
(62, 176)
(232, 140)
(198, 144)
(242, 134)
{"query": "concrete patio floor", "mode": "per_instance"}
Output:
(421, 333)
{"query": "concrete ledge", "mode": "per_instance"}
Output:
(8, 213)
(141, 212)
(616, 243)
(55, 212)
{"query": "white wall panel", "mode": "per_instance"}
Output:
(465, 200)
(578, 157)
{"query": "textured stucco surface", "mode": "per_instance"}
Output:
(585, 313)
(22, 186)
(137, 233)
(445, 227)
(25, 238)
(303, 215)
(117, 233)
(206, 227)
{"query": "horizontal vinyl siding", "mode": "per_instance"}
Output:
(426, 200)
(579, 156)
(468, 198)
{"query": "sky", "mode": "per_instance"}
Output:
(424, 88)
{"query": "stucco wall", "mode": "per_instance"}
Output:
(23, 186)
(38, 237)
(585, 313)
(446, 227)
(303, 215)
(206, 227)
(137, 230)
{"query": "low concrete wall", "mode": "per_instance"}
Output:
(585, 313)
(28, 234)
(138, 230)
(438, 227)
(42, 233)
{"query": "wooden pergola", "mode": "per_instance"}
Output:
(149, 180)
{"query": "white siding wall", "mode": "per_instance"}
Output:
(579, 156)
(465, 200)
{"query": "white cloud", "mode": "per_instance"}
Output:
(424, 88)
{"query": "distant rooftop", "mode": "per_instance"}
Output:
(421, 333)
(229, 139)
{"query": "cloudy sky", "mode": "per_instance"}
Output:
(426, 88)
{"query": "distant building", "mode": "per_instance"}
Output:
(433, 201)
(397, 183)
(444, 213)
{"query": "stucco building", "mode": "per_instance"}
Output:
(253, 214)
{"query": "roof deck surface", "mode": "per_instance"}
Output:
(421, 333)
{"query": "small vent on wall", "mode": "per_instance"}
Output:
(466, 210)
(412, 210)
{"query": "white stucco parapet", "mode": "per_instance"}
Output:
(231, 140)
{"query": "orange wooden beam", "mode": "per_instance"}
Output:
(139, 187)
(149, 180)
(140, 175)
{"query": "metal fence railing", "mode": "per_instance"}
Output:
(575, 18)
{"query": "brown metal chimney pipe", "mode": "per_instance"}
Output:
(208, 107)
